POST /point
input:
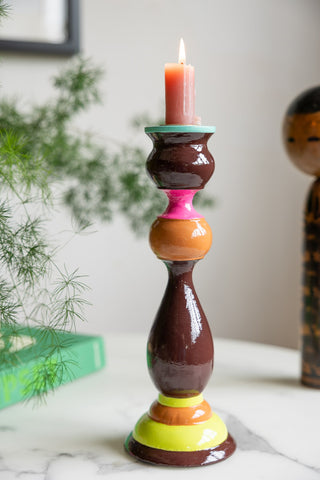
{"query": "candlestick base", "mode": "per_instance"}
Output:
(196, 458)
(180, 432)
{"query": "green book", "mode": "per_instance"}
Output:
(80, 354)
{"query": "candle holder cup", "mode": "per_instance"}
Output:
(180, 428)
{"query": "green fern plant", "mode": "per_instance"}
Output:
(39, 148)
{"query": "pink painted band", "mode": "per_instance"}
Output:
(180, 205)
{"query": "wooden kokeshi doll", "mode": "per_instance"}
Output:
(301, 133)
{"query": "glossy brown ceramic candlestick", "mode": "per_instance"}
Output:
(180, 429)
(301, 134)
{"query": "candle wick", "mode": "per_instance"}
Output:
(182, 53)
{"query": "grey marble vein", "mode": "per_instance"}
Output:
(247, 440)
(64, 462)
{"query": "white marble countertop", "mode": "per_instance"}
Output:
(79, 433)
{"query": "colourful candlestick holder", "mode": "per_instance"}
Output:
(180, 428)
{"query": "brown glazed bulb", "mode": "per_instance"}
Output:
(301, 131)
(180, 160)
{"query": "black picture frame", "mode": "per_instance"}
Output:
(70, 47)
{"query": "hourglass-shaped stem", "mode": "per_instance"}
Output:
(180, 347)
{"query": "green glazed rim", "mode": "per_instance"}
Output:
(181, 128)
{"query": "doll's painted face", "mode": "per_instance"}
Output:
(301, 131)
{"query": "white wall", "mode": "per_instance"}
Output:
(252, 57)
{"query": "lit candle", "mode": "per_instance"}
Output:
(180, 91)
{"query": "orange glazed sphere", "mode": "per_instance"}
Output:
(180, 240)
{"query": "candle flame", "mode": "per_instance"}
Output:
(182, 52)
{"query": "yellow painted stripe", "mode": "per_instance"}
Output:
(180, 438)
(180, 402)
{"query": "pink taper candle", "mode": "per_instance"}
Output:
(180, 91)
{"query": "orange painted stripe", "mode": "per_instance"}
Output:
(180, 415)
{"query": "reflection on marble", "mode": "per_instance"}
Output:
(79, 434)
